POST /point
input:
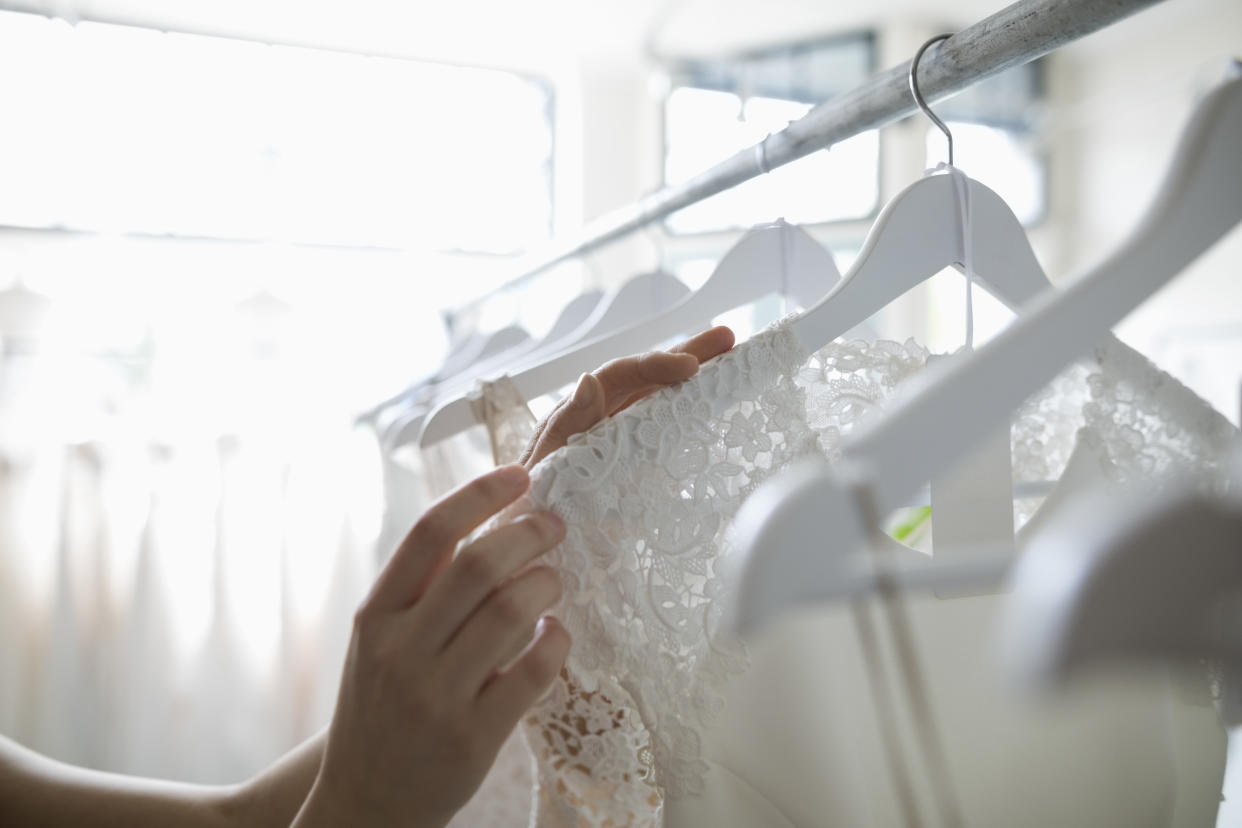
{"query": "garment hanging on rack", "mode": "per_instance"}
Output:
(504, 797)
(414, 478)
(655, 720)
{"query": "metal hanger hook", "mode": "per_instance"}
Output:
(918, 96)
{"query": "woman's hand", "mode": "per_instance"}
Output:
(442, 663)
(619, 384)
(448, 652)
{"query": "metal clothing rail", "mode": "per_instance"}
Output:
(1013, 36)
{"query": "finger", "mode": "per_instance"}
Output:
(704, 346)
(499, 629)
(478, 570)
(621, 378)
(430, 543)
(513, 649)
(633, 398)
(576, 414)
(527, 453)
(506, 697)
(712, 342)
(623, 381)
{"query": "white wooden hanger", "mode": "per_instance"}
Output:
(1132, 582)
(918, 234)
(568, 320)
(406, 426)
(637, 299)
(590, 314)
(786, 553)
(409, 395)
(1150, 582)
(572, 316)
(578, 312)
(481, 348)
(777, 258)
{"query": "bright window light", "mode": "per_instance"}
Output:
(717, 108)
(120, 129)
(999, 158)
(997, 126)
(706, 126)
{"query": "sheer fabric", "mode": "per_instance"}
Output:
(175, 598)
(631, 733)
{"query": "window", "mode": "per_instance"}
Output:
(121, 129)
(995, 126)
(717, 107)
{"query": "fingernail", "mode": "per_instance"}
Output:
(584, 393)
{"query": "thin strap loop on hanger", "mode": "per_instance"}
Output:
(761, 155)
(961, 193)
(918, 96)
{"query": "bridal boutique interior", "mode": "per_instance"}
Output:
(275, 277)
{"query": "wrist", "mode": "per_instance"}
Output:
(329, 808)
(322, 810)
(233, 805)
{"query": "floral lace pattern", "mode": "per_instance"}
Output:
(1148, 425)
(648, 495)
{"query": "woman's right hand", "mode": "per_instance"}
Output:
(448, 652)
(442, 664)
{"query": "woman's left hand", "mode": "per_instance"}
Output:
(621, 383)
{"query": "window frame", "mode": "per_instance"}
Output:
(674, 69)
(1031, 130)
(549, 172)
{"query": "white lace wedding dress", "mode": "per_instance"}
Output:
(656, 719)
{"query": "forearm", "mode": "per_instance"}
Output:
(37, 791)
(272, 799)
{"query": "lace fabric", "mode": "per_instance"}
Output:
(506, 790)
(648, 496)
(499, 406)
